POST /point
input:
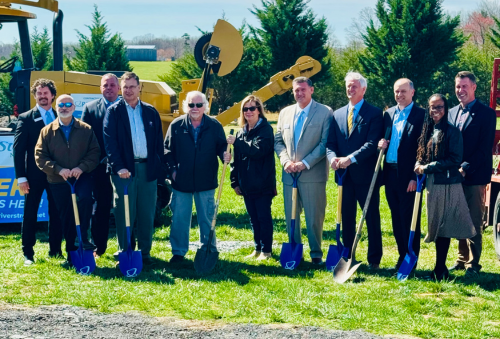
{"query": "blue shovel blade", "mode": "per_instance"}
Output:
(291, 255)
(407, 266)
(83, 261)
(335, 253)
(130, 263)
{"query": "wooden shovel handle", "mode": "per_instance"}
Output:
(75, 209)
(219, 193)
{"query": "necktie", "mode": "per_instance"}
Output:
(48, 117)
(298, 128)
(350, 119)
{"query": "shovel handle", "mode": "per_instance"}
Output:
(416, 204)
(75, 208)
(340, 179)
(219, 192)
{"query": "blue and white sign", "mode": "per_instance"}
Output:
(81, 100)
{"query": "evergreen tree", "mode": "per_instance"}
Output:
(414, 39)
(100, 51)
(289, 30)
(41, 47)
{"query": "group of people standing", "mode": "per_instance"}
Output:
(126, 148)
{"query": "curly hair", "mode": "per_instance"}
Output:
(44, 83)
(258, 103)
(424, 151)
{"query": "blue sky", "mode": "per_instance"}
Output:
(175, 17)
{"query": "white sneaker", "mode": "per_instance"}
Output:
(254, 255)
(264, 256)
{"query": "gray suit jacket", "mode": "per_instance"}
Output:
(312, 143)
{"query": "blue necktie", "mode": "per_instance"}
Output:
(298, 128)
(48, 117)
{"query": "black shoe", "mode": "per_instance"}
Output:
(437, 277)
(176, 259)
(28, 260)
(147, 260)
(457, 267)
(471, 273)
(374, 266)
(317, 261)
(67, 264)
(56, 255)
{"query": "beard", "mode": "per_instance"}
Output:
(65, 115)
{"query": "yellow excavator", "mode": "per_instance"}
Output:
(216, 53)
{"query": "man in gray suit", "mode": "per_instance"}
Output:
(300, 143)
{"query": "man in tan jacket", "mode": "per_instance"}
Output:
(67, 149)
(300, 143)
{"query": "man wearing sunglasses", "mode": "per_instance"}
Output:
(67, 149)
(133, 140)
(193, 143)
(300, 143)
(93, 114)
(32, 181)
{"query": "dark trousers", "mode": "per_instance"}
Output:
(28, 231)
(103, 195)
(62, 197)
(401, 204)
(442, 247)
(353, 193)
(259, 210)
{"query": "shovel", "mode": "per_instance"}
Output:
(206, 259)
(411, 258)
(338, 251)
(291, 253)
(130, 261)
(82, 260)
(346, 267)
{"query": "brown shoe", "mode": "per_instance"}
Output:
(264, 256)
(255, 254)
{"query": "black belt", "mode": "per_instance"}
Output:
(391, 165)
(140, 160)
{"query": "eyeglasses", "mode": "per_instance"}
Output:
(126, 88)
(198, 104)
(252, 108)
(437, 108)
(65, 104)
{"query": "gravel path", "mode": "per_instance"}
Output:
(75, 323)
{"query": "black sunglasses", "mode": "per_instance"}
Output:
(198, 104)
(65, 104)
(252, 108)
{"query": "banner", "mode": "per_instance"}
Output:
(11, 199)
(81, 100)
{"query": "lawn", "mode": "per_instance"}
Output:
(248, 291)
(149, 70)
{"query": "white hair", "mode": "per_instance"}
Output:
(356, 76)
(191, 95)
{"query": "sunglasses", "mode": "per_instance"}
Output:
(198, 104)
(65, 104)
(252, 108)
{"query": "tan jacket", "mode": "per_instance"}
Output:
(53, 153)
(312, 142)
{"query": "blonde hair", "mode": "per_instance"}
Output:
(258, 103)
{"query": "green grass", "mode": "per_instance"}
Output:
(149, 70)
(248, 291)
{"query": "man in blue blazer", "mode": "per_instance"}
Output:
(477, 123)
(405, 120)
(352, 144)
(93, 114)
(133, 140)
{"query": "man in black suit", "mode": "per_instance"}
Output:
(477, 123)
(405, 121)
(31, 180)
(93, 114)
(133, 140)
(352, 144)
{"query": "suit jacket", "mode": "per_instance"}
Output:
(408, 144)
(478, 136)
(118, 140)
(28, 129)
(361, 143)
(312, 142)
(93, 114)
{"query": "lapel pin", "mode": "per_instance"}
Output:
(150, 123)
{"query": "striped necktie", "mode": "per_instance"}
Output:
(350, 119)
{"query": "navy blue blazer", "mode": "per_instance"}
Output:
(93, 114)
(118, 140)
(361, 143)
(408, 145)
(478, 136)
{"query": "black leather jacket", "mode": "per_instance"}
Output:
(445, 166)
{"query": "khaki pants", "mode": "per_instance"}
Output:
(469, 250)
(312, 197)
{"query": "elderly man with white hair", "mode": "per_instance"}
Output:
(67, 148)
(192, 145)
(352, 144)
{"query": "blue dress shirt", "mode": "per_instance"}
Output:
(137, 128)
(398, 126)
(66, 129)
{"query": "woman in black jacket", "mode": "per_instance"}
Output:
(253, 172)
(439, 156)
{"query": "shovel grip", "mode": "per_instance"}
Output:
(339, 205)
(127, 210)
(75, 209)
